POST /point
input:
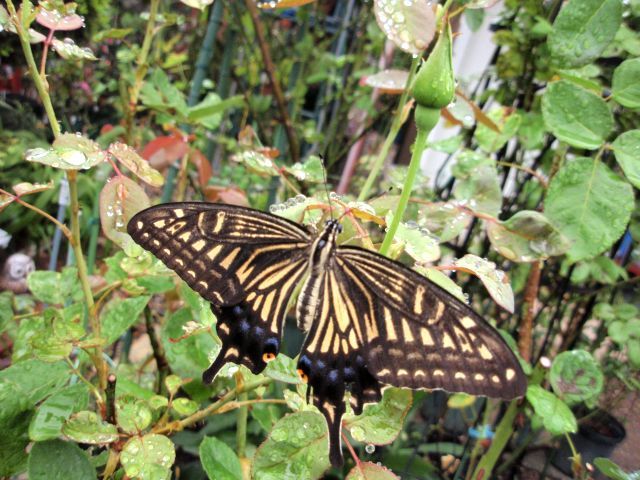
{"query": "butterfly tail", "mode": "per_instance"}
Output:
(211, 372)
(333, 414)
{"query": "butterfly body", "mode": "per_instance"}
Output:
(370, 321)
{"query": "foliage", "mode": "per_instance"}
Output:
(103, 356)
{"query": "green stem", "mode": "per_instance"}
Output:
(414, 167)
(142, 68)
(241, 430)
(393, 133)
(502, 436)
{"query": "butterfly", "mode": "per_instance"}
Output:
(370, 322)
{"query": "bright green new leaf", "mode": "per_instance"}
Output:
(149, 457)
(297, 447)
(173, 383)
(370, 471)
(132, 414)
(556, 416)
(119, 315)
(311, 170)
(575, 115)
(627, 151)
(88, 427)
(582, 30)
(380, 423)
(184, 406)
(55, 287)
(283, 369)
(576, 377)
(58, 460)
(625, 88)
(218, 460)
(47, 423)
(613, 471)
(6, 310)
(581, 203)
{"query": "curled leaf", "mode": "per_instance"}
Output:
(495, 281)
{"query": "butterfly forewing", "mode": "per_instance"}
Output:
(246, 263)
(423, 337)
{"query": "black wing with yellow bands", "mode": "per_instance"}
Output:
(246, 263)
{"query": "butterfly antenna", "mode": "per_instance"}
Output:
(326, 185)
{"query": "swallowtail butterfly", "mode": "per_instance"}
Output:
(370, 321)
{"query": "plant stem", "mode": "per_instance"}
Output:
(391, 136)
(63, 228)
(530, 297)
(275, 85)
(141, 70)
(213, 408)
(414, 167)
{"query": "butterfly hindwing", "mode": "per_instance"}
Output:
(246, 263)
(423, 337)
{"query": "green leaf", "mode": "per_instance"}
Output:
(138, 165)
(370, 471)
(576, 377)
(380, 423)
(132, 414)
(575, 115)
(55, 287)
(184, 406)
(27, 382)
(218, 460)
(625, 88)
(633, 351)
(582, 30)
(531, 130)
(491, 141)
(477, 183)
(58, 460)
(297, 447)
(460, 400)
(627, 151)
(556, 416)
(173, 383)
(495, 281)
(440, 279)
(209, 112)
(444, 220)
(311, 170)
(416, 241)
(87, 427)
(283, 369)
(47, 423)
(149, 457)
(119, 315)
(68, 50)
(580, 204)
(13, 441)
(190, 356)
(610, 469)
(156, 283)
(6, 310)
(70, 151)
(526, 237)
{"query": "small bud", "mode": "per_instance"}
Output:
(434, 85)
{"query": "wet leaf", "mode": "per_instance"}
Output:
(371, 471)
(531, 130)
(582, 30)
(70, 151)
(257, 162)
(149, 457)
(390, 81)
(526, 237)
(417, 241)
(62, 21)
(444, 220)
(173, 383)
(118, 315)
(580, 204)
(556, 416)
(576, 377)
(68, 50)
(381, 423)
(625, 88)
(138, 165)
(575, 115)
(55, 287)
(409, 25)
(132, 414)
(311, 170)
(297, 209)
(88, 427)
(218, 460)
(297, 447)
(477, 183)
(184, 406)
(58, 460)
(495, 281)
(507, 120)
(26, 188)
(283, 369)
(627, 151)
(120, 199)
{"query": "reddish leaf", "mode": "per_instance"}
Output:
(120, 199)
(163, 151)
(54, 20)
(203, 165)
(229, 195)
